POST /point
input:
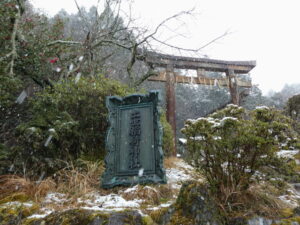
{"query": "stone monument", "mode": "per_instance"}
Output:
(134, 141)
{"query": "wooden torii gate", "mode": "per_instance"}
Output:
(201, 65)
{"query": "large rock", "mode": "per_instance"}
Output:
(193, 207)
(194, 202)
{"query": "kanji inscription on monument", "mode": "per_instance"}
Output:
(134, 141)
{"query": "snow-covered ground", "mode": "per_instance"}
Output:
(182, 172)
(131, 198)
(179, 173)
(111, 202)
(292, 198)
(287, 153)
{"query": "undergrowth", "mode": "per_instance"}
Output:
(72, 181)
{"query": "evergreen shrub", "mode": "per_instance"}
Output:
(234, 148)
(168, 136)
(67, 122)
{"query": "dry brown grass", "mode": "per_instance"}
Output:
(72, 181)
(76, 182)
(12, 185)
(170, 162)
(259, 199)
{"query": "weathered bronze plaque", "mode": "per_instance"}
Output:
(134, 141)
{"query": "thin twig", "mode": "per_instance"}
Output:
(150, 73)
(64, 42)
(162, 23)
(190, 49)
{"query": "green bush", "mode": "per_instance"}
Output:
(233, 148)
(292, 109)
(68, 121)
(168, 137)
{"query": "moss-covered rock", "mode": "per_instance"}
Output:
(147, 220)
(162, 216)
(88, 217)
(195, 202)
(194, 206)
(19, 197)
(12, 213)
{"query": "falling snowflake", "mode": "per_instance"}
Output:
(21, 97)
(77, 78)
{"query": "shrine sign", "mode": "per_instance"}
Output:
(134, 141)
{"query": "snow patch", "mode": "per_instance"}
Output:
(182, 140)
(287, 153)
(165, 205)
(292, 198)
(111, 201)
(132, 189)
(176, 176)
(45, 213)
(262, 107)
(18, 204)
(54, 197)
(184, 165)
(51, 130)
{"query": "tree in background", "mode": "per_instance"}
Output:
(279, 99)
(254, 99)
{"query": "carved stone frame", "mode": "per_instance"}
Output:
(114, 104)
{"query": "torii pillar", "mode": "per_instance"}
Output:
(170, 99)
(233, 87)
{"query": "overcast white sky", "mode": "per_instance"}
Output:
(267, 31)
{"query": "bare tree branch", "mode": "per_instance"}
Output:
(13, 54)
(132, 62)
(214, 40)
(105, 31)
(162, 23)
(112, 42)
(81, 14)
(191, 49)
(64, 42)
(149, 73)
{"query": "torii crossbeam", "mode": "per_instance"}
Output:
(170, 62)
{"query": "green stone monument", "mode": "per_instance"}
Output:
(134, 141)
